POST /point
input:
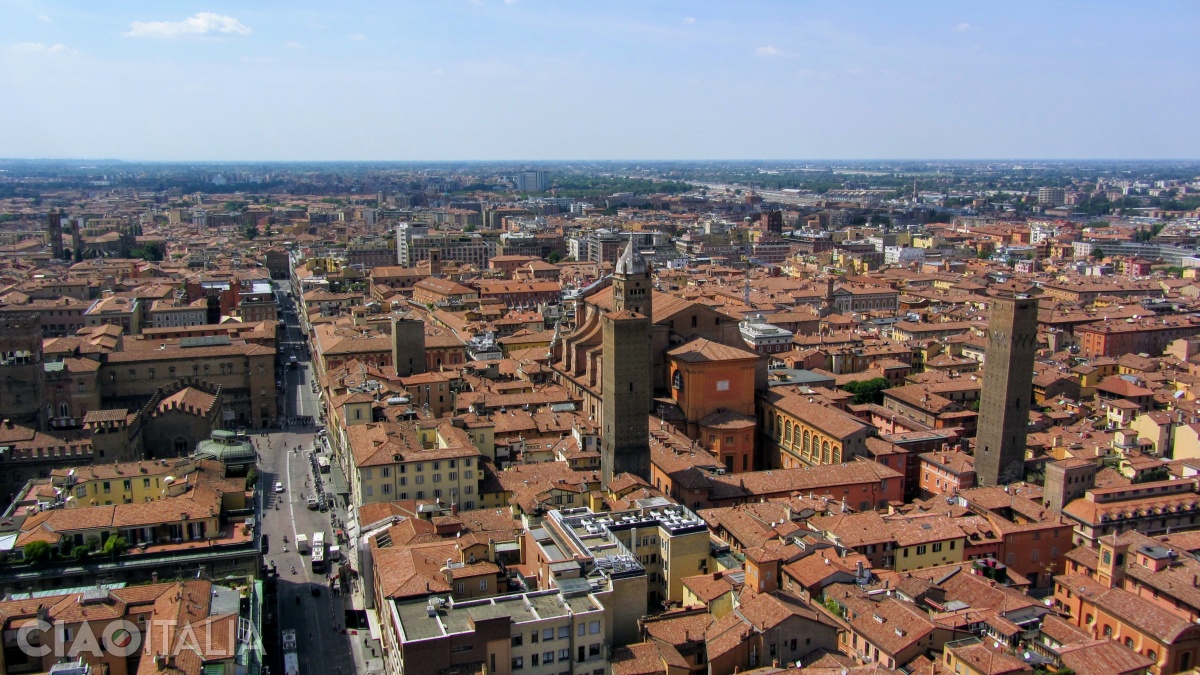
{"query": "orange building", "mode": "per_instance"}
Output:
(713, 385)
(1103, 607)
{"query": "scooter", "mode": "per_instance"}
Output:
(293, 569)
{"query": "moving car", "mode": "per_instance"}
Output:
(279, 486)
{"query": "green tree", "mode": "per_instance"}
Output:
(115, 546)
(553, 258)
(867, 391)
(235, 206)
(37, 552)
(151, 252)
(80, 553)
(1097, 254)
(252, 232)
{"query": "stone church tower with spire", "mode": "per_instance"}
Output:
(627, 370)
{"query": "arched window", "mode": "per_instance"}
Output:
(1129, 642)
(677, 380)
(779, 425)
(64, 410)
(824, 452)
(1108, 631)
(787, 434)
(806, 440)
(1151, 655)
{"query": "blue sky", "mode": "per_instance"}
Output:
(543, 79)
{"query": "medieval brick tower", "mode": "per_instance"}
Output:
(22, 374)
(54, 234)
(628, 363)
(1007, 388)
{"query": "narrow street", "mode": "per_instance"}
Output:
(306, 602)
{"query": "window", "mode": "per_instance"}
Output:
(518, 640)
(385, 471)
(483, 584)
(370, 491)
(594, 627)
(387, 488)
(437, 477)
(564, 655)
(722, 385)
(548, 635)
(533, 660)
(420, 480)
(582, 630)
(518, 662)
(937, 547)
(564, 632)
(1108, 631)
(547, 657)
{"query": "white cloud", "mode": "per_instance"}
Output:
(510, 2)
(37, 48)
(357, 37)
(43, 18)
(690, 20)
(962, 27)
(293, 45)
(202, 23)
(768, 51)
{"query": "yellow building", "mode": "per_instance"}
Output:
(670, 541)
(800, 433)
(125, 483)
(927, 542)
(427, 459)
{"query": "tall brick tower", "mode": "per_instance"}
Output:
(54, 234)
(1007, 388)
(22, 373)
(625, 377)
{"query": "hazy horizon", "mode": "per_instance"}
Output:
(479, 81)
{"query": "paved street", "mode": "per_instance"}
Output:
(323, 646)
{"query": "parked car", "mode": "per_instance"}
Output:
(278, 486)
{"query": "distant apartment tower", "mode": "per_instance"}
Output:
(1007, 388)
(54, 234)
(532, 181)
(1052, 196)
(773, 221)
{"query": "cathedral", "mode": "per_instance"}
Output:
(623, 330)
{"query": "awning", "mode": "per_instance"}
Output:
(373, 625)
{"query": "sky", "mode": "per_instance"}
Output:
(562, 79)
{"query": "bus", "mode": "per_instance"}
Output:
(318, 560)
